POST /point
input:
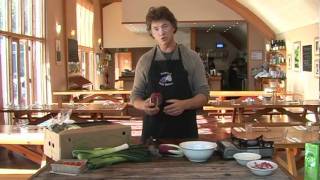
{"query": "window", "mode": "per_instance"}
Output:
(85, 16)
(84, 23)
(23, 65)
(3, 15)
(15, 16)
(39, 21)
(27, 13)
(4, 71)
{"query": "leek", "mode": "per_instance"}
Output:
(101, 157)
(87, 154)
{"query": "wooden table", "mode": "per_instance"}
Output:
(52, 110)
(18, 140)
(259, 108)
(282, 140)
(225, 94)
(166, 168)
(106, 94)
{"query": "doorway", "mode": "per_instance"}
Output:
(223, 48)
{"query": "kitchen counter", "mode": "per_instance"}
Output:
(214, 83)
(127, 82)
(166, 168)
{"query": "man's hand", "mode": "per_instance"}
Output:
(150, 108)
(175, 108)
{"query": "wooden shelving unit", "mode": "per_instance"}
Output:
(276, 60)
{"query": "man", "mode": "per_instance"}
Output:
(175, 72)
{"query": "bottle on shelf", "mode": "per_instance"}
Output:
(276, 45)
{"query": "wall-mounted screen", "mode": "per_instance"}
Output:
(219, 45)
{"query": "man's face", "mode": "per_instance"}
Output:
(162, 31)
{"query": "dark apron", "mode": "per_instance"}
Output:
(170, 79)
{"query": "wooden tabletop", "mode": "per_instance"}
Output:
(81, 92)
(235, 93)
(262, 104)
(244, 93)
(167, 168)
(283, 137)
(76, 108)
(30, 135)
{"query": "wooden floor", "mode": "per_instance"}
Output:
(207, 126)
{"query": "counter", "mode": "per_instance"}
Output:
(215, 83)
(167, 168)
(127, 82)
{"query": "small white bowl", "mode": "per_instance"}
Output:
(261, 172)
(198, 151)
(244, 158)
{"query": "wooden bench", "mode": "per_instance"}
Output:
(25, 141)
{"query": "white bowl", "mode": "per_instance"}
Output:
(198, 151)
(261, 172)
(244, 158)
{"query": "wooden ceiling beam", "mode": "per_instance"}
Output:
(104, 3)
(249, 17)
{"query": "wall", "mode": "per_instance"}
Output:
(97, 34)
(200, 10)
(302, 82)
(55, 14)
(64, 13)
(116, 35)
(255, 43)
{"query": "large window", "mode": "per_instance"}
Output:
(22, 62)
(3, 14)
(85, 17)
(84, 23)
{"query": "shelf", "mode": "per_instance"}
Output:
(276, 59)
(277, 51)
(281, 64)
(270, 78)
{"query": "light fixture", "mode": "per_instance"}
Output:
(100, 43)
(58, 28)
(73, 33)
(268, 47)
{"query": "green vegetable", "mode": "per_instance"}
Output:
(134, 153)
(87, 154)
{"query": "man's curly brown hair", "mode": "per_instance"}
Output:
(160, 13)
